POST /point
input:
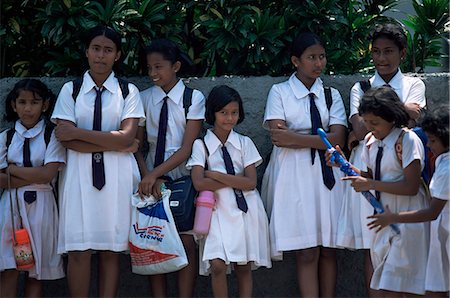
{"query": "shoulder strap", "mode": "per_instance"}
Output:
(49, 126)
(365, 85)
(76, 87)
(207, 152)
(328, 97)
(187, 99)
(9, 135)
(399, 147)
(123, 84)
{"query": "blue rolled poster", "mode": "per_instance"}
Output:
(347, 169)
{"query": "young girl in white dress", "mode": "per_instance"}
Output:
(164, 62)
(29, 105)
(389, 43)
(95, 213)
(398, 259)
(238, 237)
(436, 126)
(303, 210)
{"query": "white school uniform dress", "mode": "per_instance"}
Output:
(398, 260)
(352, 230)
(303, 211)
(437, 277)
(40, 217)
(152, 99)
(234, 236)
(91, 218)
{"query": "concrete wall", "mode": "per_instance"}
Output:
(281, 279)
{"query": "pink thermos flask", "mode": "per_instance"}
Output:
(205, 204)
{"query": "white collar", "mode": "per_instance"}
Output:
(29, 133)
(175, 94)
(214, 143)
(89, 84)
(441, 158)
(388, 141)
(300, 90)
(395, 82)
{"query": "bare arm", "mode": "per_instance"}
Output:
(245, 182)
(203, 183)
(150, 182)
(138, 155)
(387, 218)
(283, 137)
(84, 140)
(15, 182)
(408, 186)
(35, 175)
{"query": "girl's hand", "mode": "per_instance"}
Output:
(381, 220)
(210, 174)
(133, 148)
(359, 183)
(352, 141)
(65, 131)
(156, 191)
(329, 154)
(146, 185)
(281, 136)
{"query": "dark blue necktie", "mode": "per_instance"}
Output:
(162, 129)
(240, 199)
(26, 153)
(98, 168)
(378, 169)
(327, 172)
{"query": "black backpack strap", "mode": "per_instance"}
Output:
(76, 87)
(49, 126)
(9, 135)
(207, 152)
(365, 85)
(187, 99)
(123, 84)
(328, 97)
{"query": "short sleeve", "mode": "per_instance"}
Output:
(197, 109)
(274, 106)
(251, 154)
(65, 105)
(133, 107)
(337, 109)
(55, 151)
(416, 93)
(412, 149)
(439, 183)
(356, 94)
(3, 150)
(198, 155)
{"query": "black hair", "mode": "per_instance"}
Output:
(171, 52)
(392, 32)
(110, 33)
(106, 31)
(37, 88)
(304, 41)
(385, 103)
(436, 122)
(218, 98)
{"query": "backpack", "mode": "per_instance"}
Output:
(123, 84)
(365, 85)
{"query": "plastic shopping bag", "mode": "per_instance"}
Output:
(155, 246)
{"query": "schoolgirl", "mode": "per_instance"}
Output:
(98, 128)
(164, 109)
(388, 47)
(300, 190)
(238, 237)
(436, 126)
(398, 260)
(32, 156)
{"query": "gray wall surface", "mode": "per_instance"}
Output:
(280, 281)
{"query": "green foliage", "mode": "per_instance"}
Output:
(431, 26)
(243, 37)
